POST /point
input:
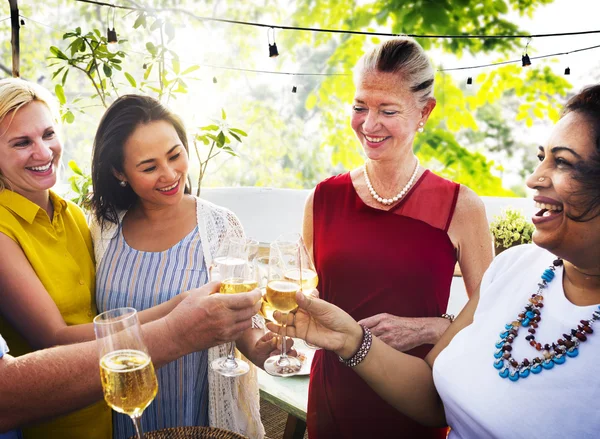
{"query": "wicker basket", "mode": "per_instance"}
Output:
(192, 433)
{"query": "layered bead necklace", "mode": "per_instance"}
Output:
(389, 201)
(551, 354)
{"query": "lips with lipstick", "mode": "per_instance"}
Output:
(170, 190)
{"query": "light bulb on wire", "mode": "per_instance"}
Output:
(112, 43)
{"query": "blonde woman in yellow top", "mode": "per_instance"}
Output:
(47, 272)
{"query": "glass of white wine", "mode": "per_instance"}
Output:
(282, 286)
(235, 267)
(304, 271)
(126, 370)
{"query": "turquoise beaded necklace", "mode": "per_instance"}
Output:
(551, 354)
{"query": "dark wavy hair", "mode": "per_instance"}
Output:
(117, 125)
(587, 172)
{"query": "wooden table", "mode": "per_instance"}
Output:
(289, 394)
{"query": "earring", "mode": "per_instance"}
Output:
(420, 129)
(122, 183)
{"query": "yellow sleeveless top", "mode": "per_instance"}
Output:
(60, 252)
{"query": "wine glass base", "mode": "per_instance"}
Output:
(226, 368)
(282, 367)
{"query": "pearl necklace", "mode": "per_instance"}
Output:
(388, 201)
(552, 354)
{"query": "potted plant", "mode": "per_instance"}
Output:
(510, 228)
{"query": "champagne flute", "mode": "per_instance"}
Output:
(234, 266)
(126, 370)
(304, 271)
(281, 295)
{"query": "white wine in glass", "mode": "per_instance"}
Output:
(126, 370)
(234, 267)
(281, 295)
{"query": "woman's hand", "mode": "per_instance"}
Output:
(323, 324)
(405, 333)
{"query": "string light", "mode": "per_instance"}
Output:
(294, 89)
(273, 52)
(525, 61)
(567, 71)
(469, 82)
(112, 42)
(214, 79)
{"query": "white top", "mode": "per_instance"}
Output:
(558, 403)
(233, 402)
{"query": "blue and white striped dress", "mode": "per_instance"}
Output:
(128, 277)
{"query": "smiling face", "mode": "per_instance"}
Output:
(29, 150)
(155, 164)
(386, 115)
(571, 142)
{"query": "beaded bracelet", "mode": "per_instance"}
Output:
(363, 350)
(448, 317)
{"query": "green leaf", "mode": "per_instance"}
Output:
(69, 117)
(107, 70)
(223, 115)
(60, 94)
(238, 131)
(151, 48)
(74, 186)
(190, 70)
(235, 136)
(148, 71)
(55, 74)
(140, 20)
(221, 140)
(176, 65)
(64, 78)
(131, 80)
(58, 53)
(210, 128)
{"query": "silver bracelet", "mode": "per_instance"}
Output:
(448, 317)
(363, 350)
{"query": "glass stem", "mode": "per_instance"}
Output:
(230, 361)
(283, 357)
(137, 423)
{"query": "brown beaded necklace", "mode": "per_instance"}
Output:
(551, 354)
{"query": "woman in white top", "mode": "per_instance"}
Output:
(521, 358)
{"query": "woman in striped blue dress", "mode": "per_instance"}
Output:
(154, 240)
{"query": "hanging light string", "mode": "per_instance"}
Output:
(518, 60)
(337, 31)
(348, 74)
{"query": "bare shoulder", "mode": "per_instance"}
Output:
(468, 203)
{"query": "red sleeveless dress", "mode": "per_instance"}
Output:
(371, 261)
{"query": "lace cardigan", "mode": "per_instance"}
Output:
(233, 402)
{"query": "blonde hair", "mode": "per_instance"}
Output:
(404, 57)
(15, 93)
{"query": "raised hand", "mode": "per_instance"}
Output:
(322, 324)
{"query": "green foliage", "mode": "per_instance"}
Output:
(81, 185)
(511, 228)
(218, 136)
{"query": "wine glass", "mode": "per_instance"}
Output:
(281, 290)
(126, 370)
(234, 266)
(304, 270)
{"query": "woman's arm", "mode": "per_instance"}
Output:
(469, 232)
(26, 304)
(404, 381)
(307, 224)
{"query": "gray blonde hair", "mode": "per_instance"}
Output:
(406, 58)
(15, 93)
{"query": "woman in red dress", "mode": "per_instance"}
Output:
(385, 239)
